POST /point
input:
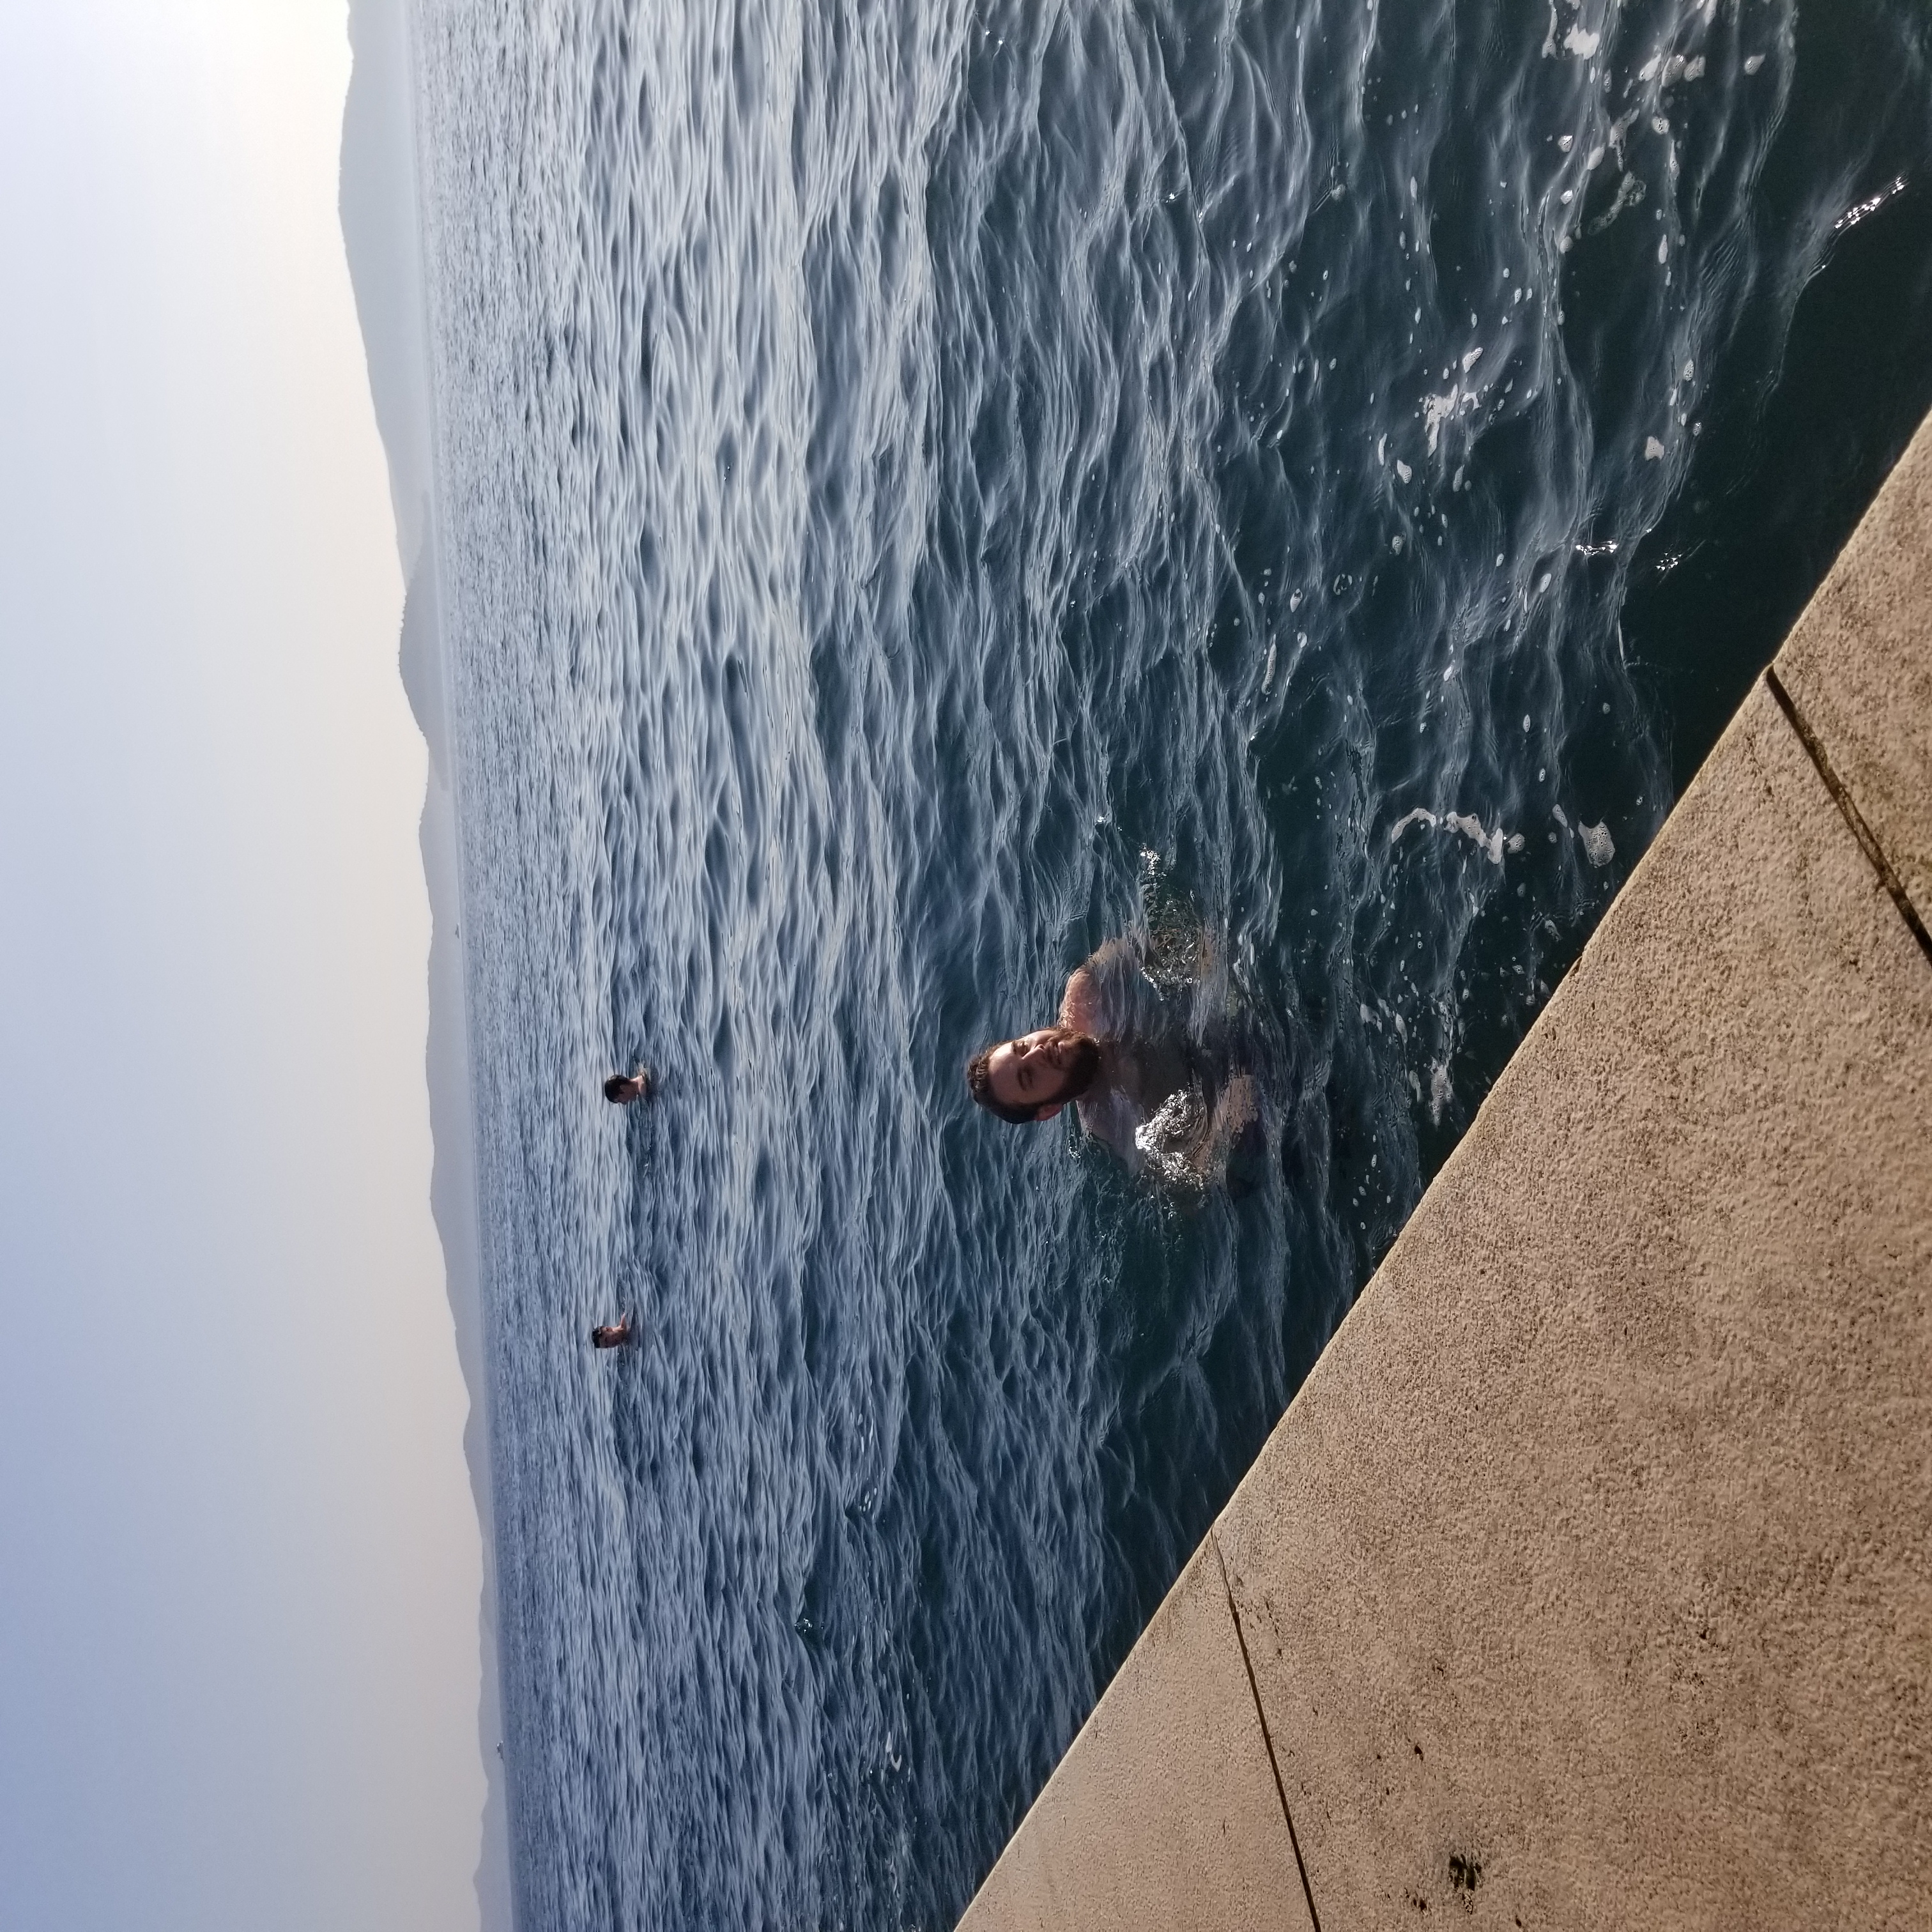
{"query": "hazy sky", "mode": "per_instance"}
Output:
(239, 1563)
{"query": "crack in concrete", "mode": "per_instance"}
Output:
(1267, 1739)
(1842, 797)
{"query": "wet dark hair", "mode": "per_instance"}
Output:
(1079, 1078)
(979, 1085)
(613, 1087)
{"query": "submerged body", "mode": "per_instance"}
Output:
(1155, 1056)
(1170, 1100)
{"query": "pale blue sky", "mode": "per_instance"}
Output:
(239, 1638)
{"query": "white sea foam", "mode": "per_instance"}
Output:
(1491, 842)
(1436, 410)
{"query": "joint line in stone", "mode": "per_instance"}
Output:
(1267, 1740)
(1842, 797)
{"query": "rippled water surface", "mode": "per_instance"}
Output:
(908, 473)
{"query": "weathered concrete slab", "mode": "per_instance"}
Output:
(1164, 1816)
(1858, 669)
(1588, 1582)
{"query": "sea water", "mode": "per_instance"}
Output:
(911, 476)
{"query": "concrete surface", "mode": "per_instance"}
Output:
(1164, 1813)
(1588, 1581)
(1596, 1555)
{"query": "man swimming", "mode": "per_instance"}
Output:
(611, 1334)
(1146, 1077)
(621, 1089)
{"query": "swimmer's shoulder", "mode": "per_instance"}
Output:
(1095, 986)
(1079, 1005)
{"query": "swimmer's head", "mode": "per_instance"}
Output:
(1033, 1077)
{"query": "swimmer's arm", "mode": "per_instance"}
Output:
(1197, 1145)
(1235, 1111)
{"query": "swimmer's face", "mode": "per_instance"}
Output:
(1044, 1069)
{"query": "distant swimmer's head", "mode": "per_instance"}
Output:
(621, 1089)
(1032, 1078)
